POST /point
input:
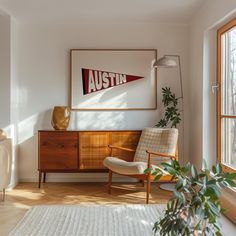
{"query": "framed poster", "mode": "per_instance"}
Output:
(113, 79)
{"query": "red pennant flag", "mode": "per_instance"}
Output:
(96, 80)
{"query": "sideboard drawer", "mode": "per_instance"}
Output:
(58, 150)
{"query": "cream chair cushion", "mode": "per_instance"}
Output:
(124, 167)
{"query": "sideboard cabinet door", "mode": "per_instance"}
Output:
(58, 150)
(126, 139)
(93, 148)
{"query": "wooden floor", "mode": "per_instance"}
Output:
(25, 195)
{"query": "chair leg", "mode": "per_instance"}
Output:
(109, 182)
(148, 188)
(3, 194)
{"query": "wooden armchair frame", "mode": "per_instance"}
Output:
(143, 177)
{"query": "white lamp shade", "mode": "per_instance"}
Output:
(165, 62)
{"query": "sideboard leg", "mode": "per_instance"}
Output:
(40, 177)
(44, 177)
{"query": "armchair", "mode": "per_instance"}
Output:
(5, 164)
(155, 146)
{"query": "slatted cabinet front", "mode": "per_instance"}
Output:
(93, 148)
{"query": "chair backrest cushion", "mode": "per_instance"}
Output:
(163, 140)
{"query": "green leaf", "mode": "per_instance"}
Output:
(212, 181)
(231, 176)
(171, 170)
(231, 183)
(218, 233)
(172, 115)
(148, 170)
(164, 164)
(157, 177)
(214, 209)
(179, 184)
(214, 169)
(218, 168)
(194, 172)
(186, 168)
(212, 190)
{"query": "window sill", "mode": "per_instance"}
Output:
(229, 204)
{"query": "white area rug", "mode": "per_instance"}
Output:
(109, 220)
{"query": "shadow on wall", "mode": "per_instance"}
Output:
(29, 127)
(98, 120)
(23, 135)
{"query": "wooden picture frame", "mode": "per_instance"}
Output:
(128, 96)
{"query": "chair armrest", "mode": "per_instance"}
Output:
(161, 154)
(122, 148)
(158, 154)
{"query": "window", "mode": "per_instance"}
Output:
(226, 108)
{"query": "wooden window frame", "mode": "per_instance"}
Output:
(220, 115)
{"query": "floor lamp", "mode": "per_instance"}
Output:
(167, 61)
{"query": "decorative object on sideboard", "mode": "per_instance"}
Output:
(3, 135)
(167, 61)
(172, 115)
(61, 117)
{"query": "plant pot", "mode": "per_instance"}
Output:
(60, 117)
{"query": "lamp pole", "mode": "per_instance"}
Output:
(167, 62)
(182, 94)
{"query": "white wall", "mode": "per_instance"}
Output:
(5, 69)
(43, 70)
(203, 75)
(12, 129)
(203, 46)
(8, 86)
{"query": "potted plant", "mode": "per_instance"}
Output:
(172, 114)
(195, 207)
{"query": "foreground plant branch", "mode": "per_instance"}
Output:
(195, 207)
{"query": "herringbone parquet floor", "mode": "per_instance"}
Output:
(25, 195)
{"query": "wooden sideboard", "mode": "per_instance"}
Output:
(81, 151)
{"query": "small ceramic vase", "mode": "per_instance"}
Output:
(60, 117)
